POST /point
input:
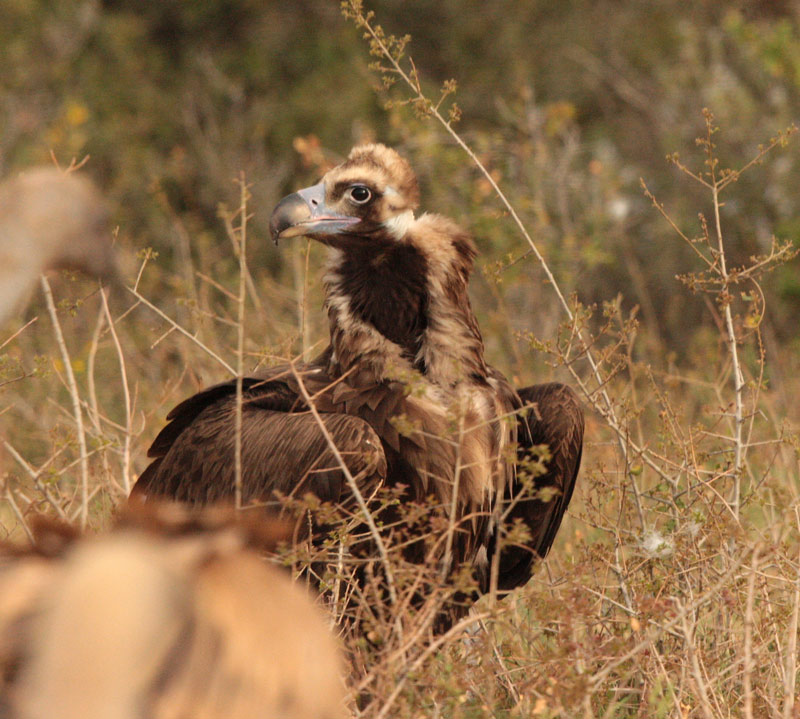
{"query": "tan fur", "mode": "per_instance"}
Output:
(157, 622)
(48, 220)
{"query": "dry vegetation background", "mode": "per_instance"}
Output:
(673, 589)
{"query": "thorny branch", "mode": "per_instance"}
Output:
(392, 50)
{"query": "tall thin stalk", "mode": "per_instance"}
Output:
(241, 236)
(379, 47)
(126, 443)
(77, 413)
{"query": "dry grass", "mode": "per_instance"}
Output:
(674, 587)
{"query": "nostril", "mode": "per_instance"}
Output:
(314, 202)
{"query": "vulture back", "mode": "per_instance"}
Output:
(172, 614)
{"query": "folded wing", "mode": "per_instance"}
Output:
(554, 418)
(284, 448)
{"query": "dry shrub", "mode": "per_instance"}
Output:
(673, 589)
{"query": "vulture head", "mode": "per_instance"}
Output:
(373, 191)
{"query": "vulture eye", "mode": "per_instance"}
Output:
(360, 194)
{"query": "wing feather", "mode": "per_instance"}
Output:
(554, 418)
(283, 447)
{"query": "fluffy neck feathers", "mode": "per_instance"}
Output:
(400, 305)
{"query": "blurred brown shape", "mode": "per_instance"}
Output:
(174, 613)
(50, 220)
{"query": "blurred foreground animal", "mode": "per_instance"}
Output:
(50, 220)
(171, 614)
(403, 390)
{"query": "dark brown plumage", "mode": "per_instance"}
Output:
(403, 343)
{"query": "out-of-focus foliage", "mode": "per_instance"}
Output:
(173, 99)
(672, 599)
(570, 103)
(573, 102)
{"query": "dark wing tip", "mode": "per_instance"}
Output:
(555, 419)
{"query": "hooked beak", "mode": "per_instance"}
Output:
(305, 213)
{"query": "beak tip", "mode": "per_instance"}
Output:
(275, 228)
(288, 213)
